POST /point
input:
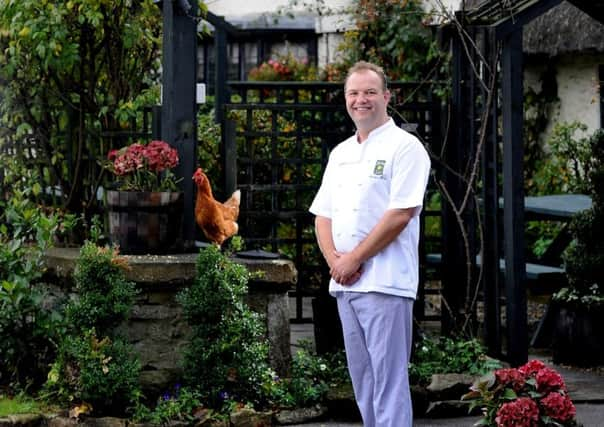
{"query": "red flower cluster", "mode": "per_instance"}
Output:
(157, 156)
(532, 395)
(512, 377)
(280, 68)
(559, 407)
(549, 380)
(144, 167)
(522, 412)
(160, 156)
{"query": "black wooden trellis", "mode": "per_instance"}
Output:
(494, 29)
(24, 152)
(277, 144)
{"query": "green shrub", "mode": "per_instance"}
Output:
(182, 404)
(564, 169)
(585, 256)
(446, 355)
(95, 366)
(227, 356)
(311, 378)
(393, 35)
(105, 297)
(28, 329)
(103, 373)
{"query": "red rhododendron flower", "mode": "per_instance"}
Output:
(549, 380)
(511, 377)
(531, 367)
(522, 412)
(558, 407)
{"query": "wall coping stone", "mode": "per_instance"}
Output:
(176, 269)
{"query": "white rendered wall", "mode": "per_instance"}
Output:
(578, 90)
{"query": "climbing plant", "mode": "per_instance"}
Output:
(71, 72)
(394, 35)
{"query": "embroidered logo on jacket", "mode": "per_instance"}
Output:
(378, 169)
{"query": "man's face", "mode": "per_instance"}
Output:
(366, 100)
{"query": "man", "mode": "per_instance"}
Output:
(367, 227)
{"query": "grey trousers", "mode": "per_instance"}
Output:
(377, 337)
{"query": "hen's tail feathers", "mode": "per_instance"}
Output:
(234, 200)
(232, 205)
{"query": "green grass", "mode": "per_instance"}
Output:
(17, 405)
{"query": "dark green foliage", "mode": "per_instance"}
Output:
(227, 357)
(94, 364)
(585, 257)
(28, 329)
(74, 71)
(208, 143)
(105, 296)
(28, 334)
(565, 169)
(538, 106)
(103, 373)
(311, 378)
(182, 404)
(393, 35)
(445, 355)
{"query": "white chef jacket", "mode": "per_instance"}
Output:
(389, 170)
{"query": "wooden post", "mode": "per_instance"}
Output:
(513, 196)
(179, 109)
(220, 76)
(456, 156)
(490, 218)
(229, 154)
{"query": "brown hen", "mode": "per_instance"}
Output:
(216, 220)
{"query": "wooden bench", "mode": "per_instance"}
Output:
(542, 280)
(535, 274)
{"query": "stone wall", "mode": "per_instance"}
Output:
(156, 327)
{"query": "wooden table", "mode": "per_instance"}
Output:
(555, 207)
(558, 207)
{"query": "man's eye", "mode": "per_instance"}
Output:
(371, 92)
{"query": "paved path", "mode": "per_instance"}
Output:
(585, 386)
(588, 414)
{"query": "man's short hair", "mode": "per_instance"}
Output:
(368, 66)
